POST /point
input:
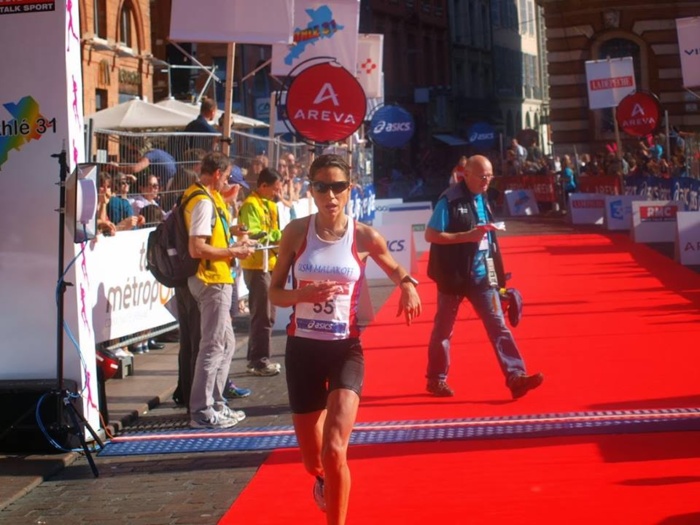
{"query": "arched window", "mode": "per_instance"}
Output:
(126, 21)
(99, 27)
(619, 45)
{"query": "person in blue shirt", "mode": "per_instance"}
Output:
(568, 180)
(465, 262)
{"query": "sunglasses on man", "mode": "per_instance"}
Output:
(323, 187)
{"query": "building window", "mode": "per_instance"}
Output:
(100, 99)
(125, 26)
(99, 8)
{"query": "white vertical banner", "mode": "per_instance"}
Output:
(41, 106)
(609, 81)
(689, 48)
(370, 50)
(321, 29)
(226, 21)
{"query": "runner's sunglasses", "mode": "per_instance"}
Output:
(337, 187)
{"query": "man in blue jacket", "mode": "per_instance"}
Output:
(465, 262)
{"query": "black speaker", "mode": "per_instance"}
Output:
(21, 423)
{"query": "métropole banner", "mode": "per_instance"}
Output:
(321, 29)
(370, 49)
(226, 21)
(609, 81)
(41, 115)
(689, 48)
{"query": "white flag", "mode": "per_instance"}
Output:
(369, 63)
(226, 21)
(689, 48)
(322, 29)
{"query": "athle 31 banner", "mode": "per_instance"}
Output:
(321, 30)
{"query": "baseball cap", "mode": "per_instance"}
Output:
(236, 177)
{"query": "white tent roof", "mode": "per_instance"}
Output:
(238, 121)
(137, 114)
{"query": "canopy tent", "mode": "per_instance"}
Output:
(237, 121)
(138, 114)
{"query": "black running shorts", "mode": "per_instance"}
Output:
(314, 368)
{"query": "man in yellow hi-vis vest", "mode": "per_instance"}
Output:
(259, 213)
(208, 224)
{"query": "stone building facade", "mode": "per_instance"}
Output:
(582, 30)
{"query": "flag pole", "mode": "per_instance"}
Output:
(228, 98)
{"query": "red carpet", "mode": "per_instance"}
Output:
(611, 324)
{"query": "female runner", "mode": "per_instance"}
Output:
(324, 363)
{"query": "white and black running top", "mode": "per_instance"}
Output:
(336, 261)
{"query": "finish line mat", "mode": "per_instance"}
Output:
(546, 425)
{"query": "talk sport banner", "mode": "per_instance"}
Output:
(41, 115)
(689, 48)
(321, 30)
(609, 81)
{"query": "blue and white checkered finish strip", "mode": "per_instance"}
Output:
(548, 425)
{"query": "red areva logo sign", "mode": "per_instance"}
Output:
(639, 114)
(326, 103)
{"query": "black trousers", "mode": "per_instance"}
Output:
(262, 317)
(190, 334)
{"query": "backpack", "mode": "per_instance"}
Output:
(167, 251)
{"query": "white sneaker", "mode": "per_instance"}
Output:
(238, 415)
(270, 369)
(215, 422)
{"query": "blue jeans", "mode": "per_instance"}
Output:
(487, 304)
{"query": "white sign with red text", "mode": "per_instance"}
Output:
(654, 221)
(688, 238)
(587, 208)
(609, 81)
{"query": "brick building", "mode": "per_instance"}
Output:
(117, 58)
(579, 30)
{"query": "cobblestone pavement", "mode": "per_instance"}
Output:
(176, 488)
